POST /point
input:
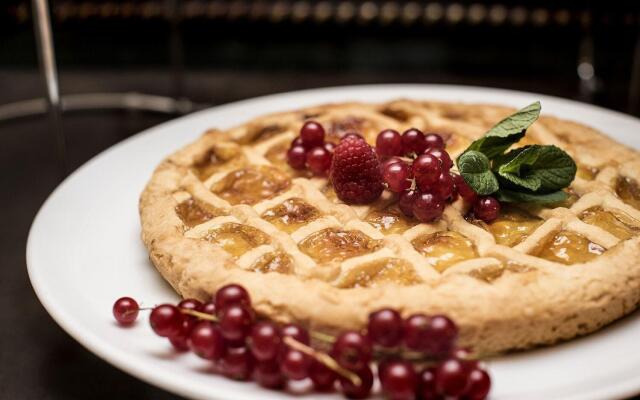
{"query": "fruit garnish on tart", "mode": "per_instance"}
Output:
(418, 168)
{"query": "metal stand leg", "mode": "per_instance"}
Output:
(46, 55)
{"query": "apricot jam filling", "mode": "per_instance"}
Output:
(628, 190)
(568, 248)
(273, 262)
(389, 221)
(340, 127)
(445, 248)
(336, 245)
(587, 173)
(398, 114)
(251, 185)
(262, 133)
(192, 213)
(513, 226)
(291, 214)
(492, 272)
(456, 143)
(277, 154)
(387, 270)
(618, 225)
(572, 198)
(213, 159)
(237, 239)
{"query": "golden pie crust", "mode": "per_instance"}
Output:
(227, 208)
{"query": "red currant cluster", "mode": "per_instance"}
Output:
(310, 150)
(423, 177)
(226, 332)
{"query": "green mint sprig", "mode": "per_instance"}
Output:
(529, 174)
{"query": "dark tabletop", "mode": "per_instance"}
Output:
(38, 360)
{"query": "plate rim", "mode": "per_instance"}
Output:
(178, 384)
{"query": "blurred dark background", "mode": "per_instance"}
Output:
(199, 53)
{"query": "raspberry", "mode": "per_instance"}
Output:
(355, 172)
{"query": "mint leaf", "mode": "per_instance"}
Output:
(510, 196)
(476, 171)
(541, 169)
(506, 132)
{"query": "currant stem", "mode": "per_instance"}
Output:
(198, 314)
(322, 337)
(324, 358)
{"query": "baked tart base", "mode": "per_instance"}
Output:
(228, 209)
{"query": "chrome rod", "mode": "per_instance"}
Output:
(47, 58)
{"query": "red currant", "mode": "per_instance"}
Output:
(312, 134)
(389, 161)
(405, 203)
(399, 380)
(389, 143)
(452, 378)
(444, 187)
(427, 385)
(397, 176)
(296, 142)
(319, 160)
(209, 308)
(267, 374)
(487, 209)
(265, 341)
(441, 335)
(428, 207)
(385, 327)
(166, 320)
(237, 363)
(361, 391)
(235, 323)
(443, 156)
(125, 310)
(294, 364)
(352, 350)
(190, 304)
(413, 141)
(434, 335)
(415, 328)
(322, 377)
(434, 141)
(464, 355)
(463, 188)
(206, 341)
(231, 295)
(297, 157)
(296, 332)
(478, 386)
(180, 341)
(426, 169)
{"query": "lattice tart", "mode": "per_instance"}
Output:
(228, 208)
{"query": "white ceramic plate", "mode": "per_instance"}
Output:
(84, 251)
